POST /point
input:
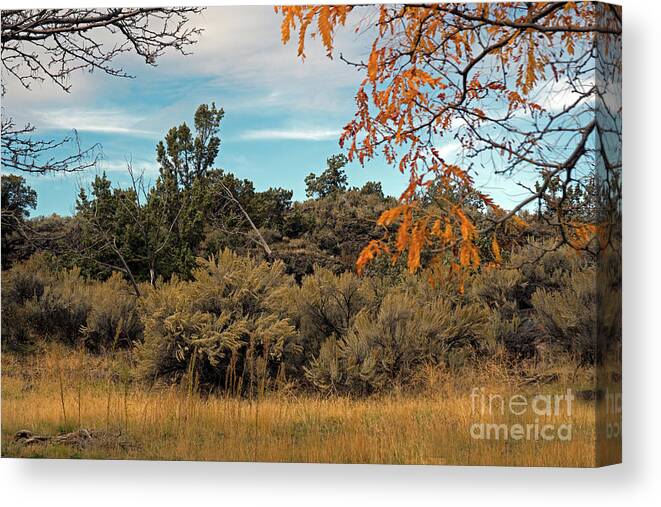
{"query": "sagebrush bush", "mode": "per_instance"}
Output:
(384, 348)
(609, 301)
(569, 315)
(324, 305)
(543, 265)
(41, 303)
(500, 289)
(519, 334)
(113, 319)
(509, 291)
(243, 325)
(221, 330)
(22, 286)
(26, 280)
(63, 307)
(511, 325)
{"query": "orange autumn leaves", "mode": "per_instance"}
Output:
(302, 17)
(457, 237)
(424, 73)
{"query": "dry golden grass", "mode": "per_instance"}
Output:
(65, 390)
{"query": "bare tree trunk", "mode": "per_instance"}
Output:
(261, 239)
(126, 268)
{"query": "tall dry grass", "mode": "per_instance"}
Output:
(61, 390)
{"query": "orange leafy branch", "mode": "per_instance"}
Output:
(435, 68)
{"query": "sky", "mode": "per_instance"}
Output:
(283, 116)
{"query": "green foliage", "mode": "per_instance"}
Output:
(218, 331)
(149, 232)
(269, 208)
(332, 180)
(578, 202)
(374, 188)
(105, 232)
(251, 318)
(141, 236)
(174, 226)
(223, 196)
(330, 231)
(17, 199)
(184, 158)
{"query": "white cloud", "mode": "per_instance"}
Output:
(558, 96)
(448, 150)
(239, 61)
(241, 49)
(244, 43)
(111, 121)
(146, 167)
(290, 134)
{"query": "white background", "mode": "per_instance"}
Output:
(636, 482)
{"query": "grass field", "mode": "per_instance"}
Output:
(66, 390)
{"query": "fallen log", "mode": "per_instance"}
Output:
(80, 439)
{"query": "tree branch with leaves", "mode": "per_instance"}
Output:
(483, 77)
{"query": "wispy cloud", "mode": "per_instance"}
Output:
(146, 167)
(290, 134)
(111, 121)
(448, 150)
(559, 96)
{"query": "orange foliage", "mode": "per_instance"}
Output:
(421, 76)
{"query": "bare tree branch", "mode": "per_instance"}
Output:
(41, 44)
(262, 242)
(22, 152)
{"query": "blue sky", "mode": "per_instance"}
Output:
(282, 116)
